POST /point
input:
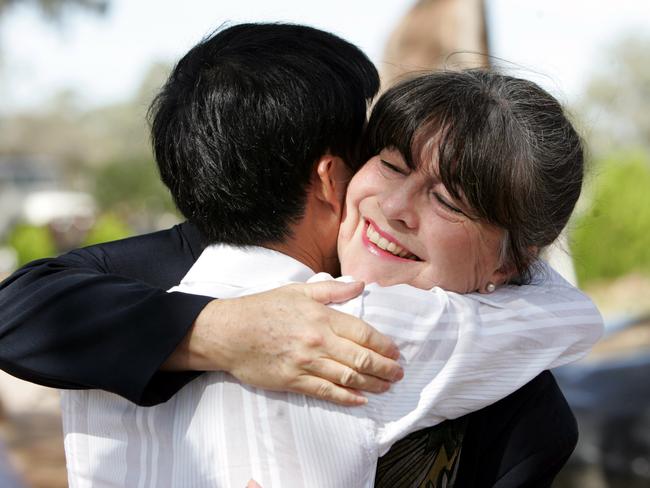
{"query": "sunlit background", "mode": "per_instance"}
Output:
(76, 77)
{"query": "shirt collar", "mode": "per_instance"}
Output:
(246, 267)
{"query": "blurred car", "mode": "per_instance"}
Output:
(609, 393)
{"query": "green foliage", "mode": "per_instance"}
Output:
(132, 186)
(613, 237)
(31, 242)
(54, 9)
(109, 227)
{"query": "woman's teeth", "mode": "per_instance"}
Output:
(386, 245)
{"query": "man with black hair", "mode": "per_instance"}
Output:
(253, 125)
(252, 200)
(316, 97)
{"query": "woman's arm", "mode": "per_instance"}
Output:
(87, 319)
(464, 352)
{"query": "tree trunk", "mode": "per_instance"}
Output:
(437, 34)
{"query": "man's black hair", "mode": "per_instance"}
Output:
(244, 116)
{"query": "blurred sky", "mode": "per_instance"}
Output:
(104, 58)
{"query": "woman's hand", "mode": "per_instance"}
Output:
(287, 339)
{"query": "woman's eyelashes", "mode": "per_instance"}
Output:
(389, 169)
(393, 168)
(446, 204)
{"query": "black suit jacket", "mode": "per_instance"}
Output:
(100, 317)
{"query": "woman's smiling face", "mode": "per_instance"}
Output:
(403, 226)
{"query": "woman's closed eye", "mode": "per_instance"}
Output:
(393, 168)
(445, 203)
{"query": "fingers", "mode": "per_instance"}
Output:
(346, 325)
(365, 361)
(326, 390)
(331, 291)
(253, 484)
(358, 331)
(345, 376)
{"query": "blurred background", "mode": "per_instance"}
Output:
(76, 77)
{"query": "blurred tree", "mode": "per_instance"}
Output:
(104, 150)
(131, 188)
(85, 137)
(613, 104)
(125, 176)
(430, 32)
(108, 227)
(612, 237)
(31, 242)
(54, 9)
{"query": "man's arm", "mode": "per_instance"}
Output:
(99, 317)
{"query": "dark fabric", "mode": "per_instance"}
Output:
(100, 317)
(522, 440)
(428, 458)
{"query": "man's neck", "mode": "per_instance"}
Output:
(312, 240)
(298, 253)
(303, 246)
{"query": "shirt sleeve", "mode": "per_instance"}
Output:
(86, 320)
(463, 352)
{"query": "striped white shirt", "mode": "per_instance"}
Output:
(459, 352)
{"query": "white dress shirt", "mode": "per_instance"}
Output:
(459, 352)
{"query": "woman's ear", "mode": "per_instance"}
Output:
(331, 177)
(507, 272)
(503, 275)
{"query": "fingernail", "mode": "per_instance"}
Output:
(398, 375)
(362, 400)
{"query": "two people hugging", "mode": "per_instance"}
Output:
(440, 202)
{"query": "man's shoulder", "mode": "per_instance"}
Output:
(182, 238)
(160, 258)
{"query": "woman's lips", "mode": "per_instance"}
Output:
(382, 244)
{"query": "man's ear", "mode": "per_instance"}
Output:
(330, 181)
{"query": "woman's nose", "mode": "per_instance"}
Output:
(399, 205)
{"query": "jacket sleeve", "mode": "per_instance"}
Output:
(100, 317)
(523, 440)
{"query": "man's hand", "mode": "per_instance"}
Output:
(287, 339)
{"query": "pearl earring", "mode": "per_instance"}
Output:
(490, 287)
